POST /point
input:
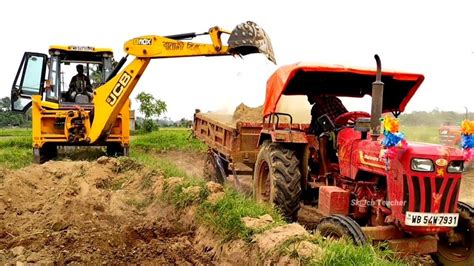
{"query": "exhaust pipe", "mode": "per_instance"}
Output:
(377, 101)
(249, 38)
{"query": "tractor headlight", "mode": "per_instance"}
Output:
(422, 165)
(455, 167)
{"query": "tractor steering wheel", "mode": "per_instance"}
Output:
(349, 118)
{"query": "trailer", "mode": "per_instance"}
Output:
(231, 141)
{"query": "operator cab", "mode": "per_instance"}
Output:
(50, 76)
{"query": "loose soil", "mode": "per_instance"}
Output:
(83, 212)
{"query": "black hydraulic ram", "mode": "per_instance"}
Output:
(185, 36)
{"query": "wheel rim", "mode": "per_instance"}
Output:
(457, 252)
(263, 182)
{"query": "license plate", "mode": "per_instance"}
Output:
(431, 219)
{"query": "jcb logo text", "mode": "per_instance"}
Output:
(118, 88)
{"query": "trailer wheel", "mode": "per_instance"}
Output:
(47, 152)
(211, 171)
(338, 226)
(277, 179)
(456, 248)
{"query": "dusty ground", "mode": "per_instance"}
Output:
(82, 212)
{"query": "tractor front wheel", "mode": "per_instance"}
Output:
(338, 226)
(277, 179)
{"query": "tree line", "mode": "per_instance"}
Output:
(434, 118)
(153, 108)
(8, 118)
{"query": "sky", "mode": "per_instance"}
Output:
(434, 38)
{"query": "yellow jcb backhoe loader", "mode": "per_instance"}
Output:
(100, 116)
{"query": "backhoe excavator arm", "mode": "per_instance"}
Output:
(109, 98)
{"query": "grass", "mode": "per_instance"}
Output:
(421, 134)
(166, 167)
(342, 252)
(225, 215)
(168, 139)
(15, 132)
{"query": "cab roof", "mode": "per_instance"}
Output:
(74, 53)
(305, 78)
(76, 48)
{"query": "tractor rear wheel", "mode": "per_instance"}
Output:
(456, 247)
(338, 226)
(277, 179)
(211, 171)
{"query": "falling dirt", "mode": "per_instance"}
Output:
(82, 212)
(248, 114)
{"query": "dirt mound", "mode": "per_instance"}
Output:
(248, 114)
(81, 212)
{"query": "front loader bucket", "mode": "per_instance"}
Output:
(249, 38)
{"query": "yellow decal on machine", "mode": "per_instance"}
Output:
(118, 89)
(365, 158)
(441, 162)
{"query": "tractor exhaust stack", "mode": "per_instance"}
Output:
(377, 101)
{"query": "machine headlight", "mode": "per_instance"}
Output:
(455, 167)
(422, 165)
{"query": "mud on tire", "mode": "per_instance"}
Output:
(339, 226)
(210, 171)
(277, 179)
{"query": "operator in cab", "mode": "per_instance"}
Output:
(324, 112)
(331, 106)
(80, 85)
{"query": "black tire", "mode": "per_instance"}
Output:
(211, 171)
(47, 152)
(116, 150)
(277, 179)
(338, 226)
(462, 252)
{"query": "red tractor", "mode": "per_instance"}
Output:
(409, 200)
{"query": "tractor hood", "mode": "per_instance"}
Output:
(433, 151)
(317, 79)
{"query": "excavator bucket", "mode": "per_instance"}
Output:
(249, 38)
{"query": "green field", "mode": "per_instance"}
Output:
(16, 151)
(420, 134)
